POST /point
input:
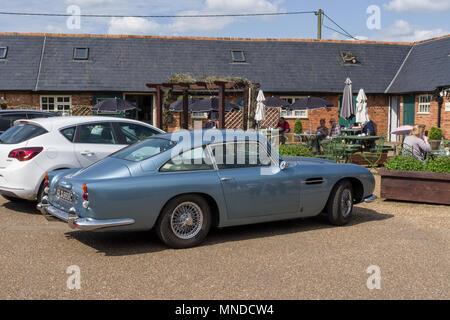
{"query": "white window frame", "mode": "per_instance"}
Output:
(294, 114)
(55, 104)
(424, 106)
(199, 115)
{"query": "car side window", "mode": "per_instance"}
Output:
(191, 160)
(134, 132)
(69, 133)
(99, 133)
(7, 120)
(240, 155)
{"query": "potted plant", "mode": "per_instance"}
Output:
(3, 103)
(406, 178)
(298, 128)
(435, 136)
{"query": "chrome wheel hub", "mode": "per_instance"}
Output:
(186, 220)
(346, 202)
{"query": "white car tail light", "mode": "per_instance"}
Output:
(25, 154)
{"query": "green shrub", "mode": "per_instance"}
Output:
(438, 164)
(298, 128)
(292, 150)
(435, 133)
(405, 163)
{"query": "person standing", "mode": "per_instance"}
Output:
(418, 142)
(284, 128)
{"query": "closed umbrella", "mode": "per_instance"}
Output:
(260, 113)
(361, 108)
(114, 105)
(347, 110)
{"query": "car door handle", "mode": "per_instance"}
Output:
(225, 179)
(87, 153)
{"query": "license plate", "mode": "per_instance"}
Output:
(64, 195)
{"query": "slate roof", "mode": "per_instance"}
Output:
(127, 63)
(427, 67)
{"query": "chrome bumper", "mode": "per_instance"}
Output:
(76, 222)
(370, 198)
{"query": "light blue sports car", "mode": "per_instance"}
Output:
(182, 184)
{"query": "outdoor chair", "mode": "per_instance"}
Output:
(375, 154)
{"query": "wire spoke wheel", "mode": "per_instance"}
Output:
(186, 220)
(346, 202)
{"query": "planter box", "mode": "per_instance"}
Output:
(357, 159)
(417, 186)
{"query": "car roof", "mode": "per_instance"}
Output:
(63, 121)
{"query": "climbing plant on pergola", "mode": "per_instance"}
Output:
(210, 83)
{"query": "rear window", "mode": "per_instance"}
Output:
(144, 150)
(21, 132)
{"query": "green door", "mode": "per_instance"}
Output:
(408, 109)
(344, 122)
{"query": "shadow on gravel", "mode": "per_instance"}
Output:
(23, 206)
(129, 243)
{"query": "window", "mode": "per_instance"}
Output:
(21, 133)
(81, 53)
(100, 133)
(134, 132)
(144, 149)
(7, 119)
(240, 155)
(69, 133)
(199, 115)
(3, 52)
(62, 104)
(424, 104)
(302, 114)
(191, 160)
(237, 56)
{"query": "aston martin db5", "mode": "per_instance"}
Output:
(184, 183)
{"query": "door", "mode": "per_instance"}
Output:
(408, 109)
(145, 103)
(248, 187)
(344, 122)
(394, 116)
(95, 141)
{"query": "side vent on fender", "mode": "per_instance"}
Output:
(317, 180)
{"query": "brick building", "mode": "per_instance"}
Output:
(70, 73)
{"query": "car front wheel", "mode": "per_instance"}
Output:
(184, 222)
(340, 204)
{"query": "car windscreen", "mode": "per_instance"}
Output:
(144, 149)
(21, 132)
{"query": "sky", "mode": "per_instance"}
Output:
(382, 20)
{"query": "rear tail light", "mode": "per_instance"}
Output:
(25, 154)
(85, 196)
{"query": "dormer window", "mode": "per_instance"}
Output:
(81, 53)
(3, 52)
(237, 56)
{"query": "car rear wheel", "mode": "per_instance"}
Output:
(184, 222)
(340, 204)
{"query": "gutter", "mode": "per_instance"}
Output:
(399, 70)
(40, 64)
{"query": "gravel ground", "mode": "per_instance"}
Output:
(300, 259)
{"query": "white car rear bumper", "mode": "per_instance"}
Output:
(21, 180)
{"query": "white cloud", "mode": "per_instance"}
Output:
(418, 5)
(181, 25)
(402, 30)
(130, 25)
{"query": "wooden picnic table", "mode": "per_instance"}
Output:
(312, 140)
(351, 131)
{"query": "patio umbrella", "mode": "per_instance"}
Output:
(275, 102)
(210, 104)
(347, 110)
(260, 113)
(406, 129)
(310, 103)
(361, 108)
(177, 106)
(114, 105)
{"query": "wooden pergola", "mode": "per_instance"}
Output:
(186, 88)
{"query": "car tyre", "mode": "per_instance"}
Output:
(40, 193)
(340, 204)
(184, 222)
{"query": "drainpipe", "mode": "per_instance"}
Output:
(440, 100)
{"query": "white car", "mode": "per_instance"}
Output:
(32, 147)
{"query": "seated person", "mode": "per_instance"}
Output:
(418, 142)
(322, 130)
(369, 130)
(283, 125)
(335, 128)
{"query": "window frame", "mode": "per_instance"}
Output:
(426, 105)
(5, 54)
(77, 133)
(85, 57)
(121, 138)
(233, 57)
(207, 151)
(68, 127)
(55, 104)
(303, 114)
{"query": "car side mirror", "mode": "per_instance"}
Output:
(284, 165)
